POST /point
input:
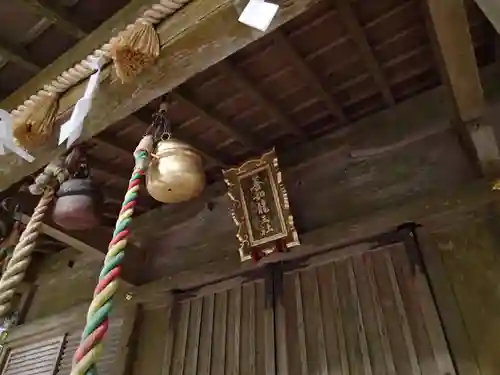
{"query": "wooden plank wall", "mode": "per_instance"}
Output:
(467, 249)
(360, 312)
(64, 281)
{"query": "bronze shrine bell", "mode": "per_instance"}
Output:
(175, 173)
(77, 205)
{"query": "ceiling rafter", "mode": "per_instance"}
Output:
(269, 104)
(311, 78)
(241, 136)
(18, 56)
(57, 15)
(359, 37)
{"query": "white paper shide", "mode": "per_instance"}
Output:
(258, 14)
(72, 129)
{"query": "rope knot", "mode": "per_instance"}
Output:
(142, 152)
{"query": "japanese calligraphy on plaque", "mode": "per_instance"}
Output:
(260, 207)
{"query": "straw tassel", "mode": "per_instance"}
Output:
(34, 126)
(135, 50)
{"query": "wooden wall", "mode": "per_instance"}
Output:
(64, 281)
(468, 248)
(382, 166)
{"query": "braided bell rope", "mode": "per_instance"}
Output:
(82, 70)
(89, 351)
(21, 257)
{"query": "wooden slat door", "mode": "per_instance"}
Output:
(359, 311)
(222, 330)
(40, 358)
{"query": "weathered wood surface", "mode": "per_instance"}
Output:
(379, 164)
(372, 138)
(468, 248)
(447, 304)
(192, 40)
(217, 258)
(360, 310)
(455, 52)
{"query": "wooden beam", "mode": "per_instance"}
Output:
(491, 9)
(67, 239)
(431, 211)
(244, 138)
(55, 14)
(312, 79)
(358, 35)
(192, 35)
(453, 43)
(17, 56)
(269, 104)
(85, 46)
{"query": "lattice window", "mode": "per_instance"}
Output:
(39, 358)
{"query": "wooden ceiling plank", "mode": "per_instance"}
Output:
(55, 14)
(18, 57)
(491, 9)
(77, 53)
(314, 82)
(449, 27)
(264, 100)
(192, 40)
(242, 137)
(359, 37)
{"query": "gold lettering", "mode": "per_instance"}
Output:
(262, 207)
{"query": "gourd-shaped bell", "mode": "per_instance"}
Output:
(77, 204)
(175, 173)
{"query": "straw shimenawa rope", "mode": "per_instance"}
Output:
(135, 50)
(16, 268)
(82, 70)
(34, 127)
(89, 351)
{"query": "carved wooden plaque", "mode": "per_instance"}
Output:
(260, 207)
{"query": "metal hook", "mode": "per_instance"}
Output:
(161, 126)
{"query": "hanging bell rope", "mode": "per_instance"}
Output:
(34, 126)
(15, 270)
(89, 351)
(134, 50)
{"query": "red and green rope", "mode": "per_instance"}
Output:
(88, 353)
